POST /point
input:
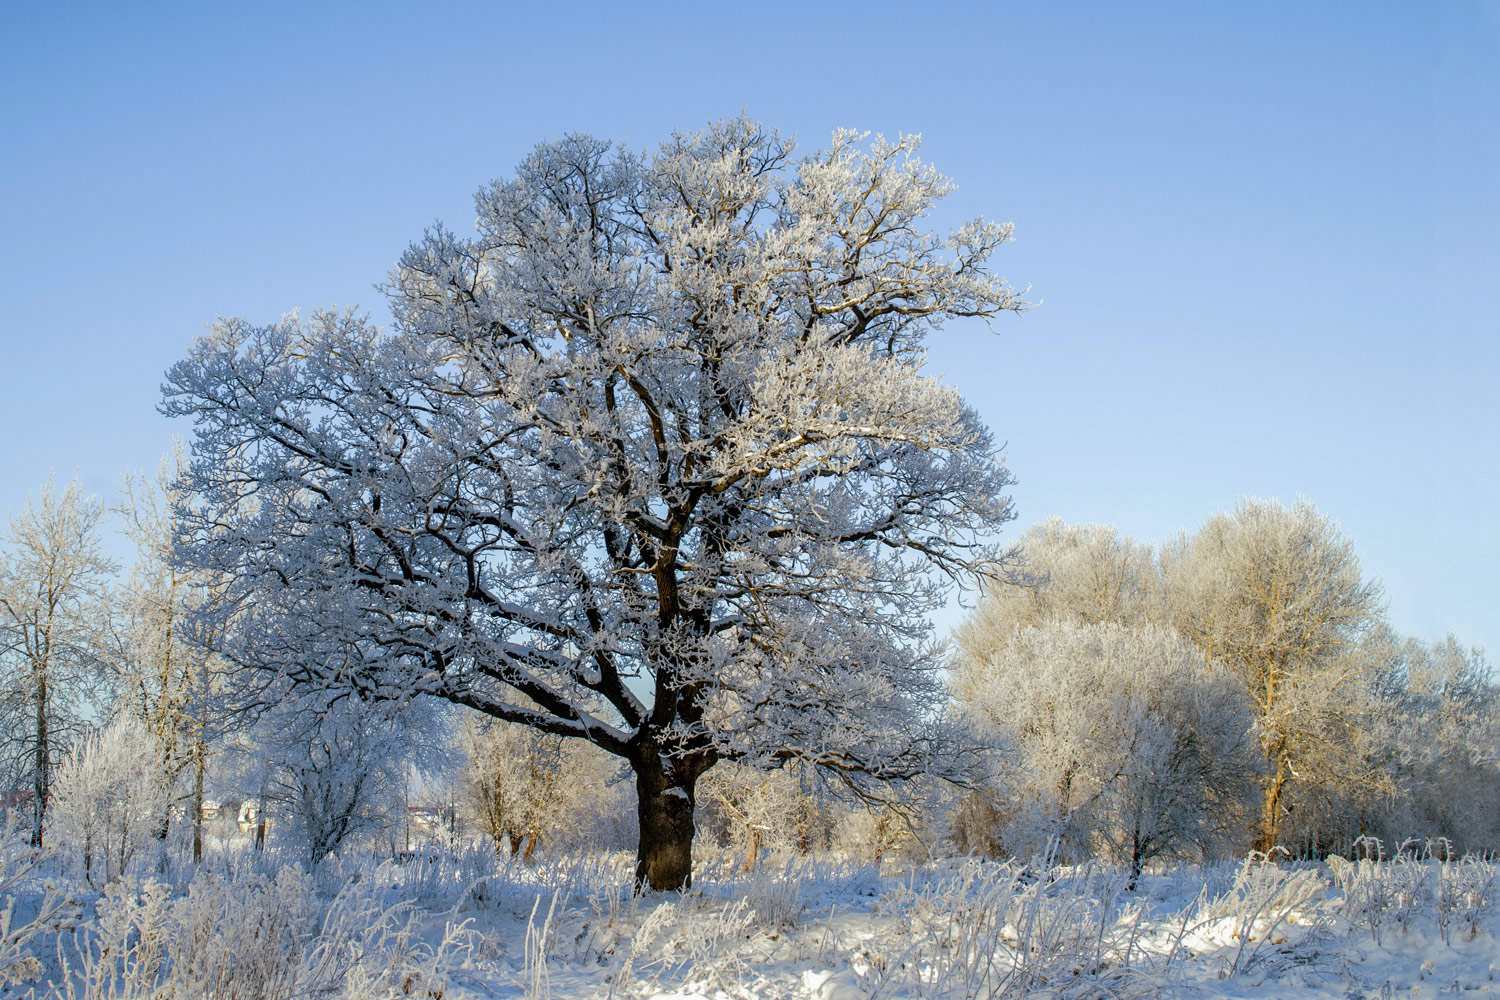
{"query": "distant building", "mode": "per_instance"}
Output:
(17, 797)
(428, 817)
(249, 815)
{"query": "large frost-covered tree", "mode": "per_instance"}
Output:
(651, 462)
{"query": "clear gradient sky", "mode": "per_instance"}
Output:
(1263, 235)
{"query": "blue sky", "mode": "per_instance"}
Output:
(1263, 235)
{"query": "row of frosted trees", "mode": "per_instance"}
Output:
(1235, 688)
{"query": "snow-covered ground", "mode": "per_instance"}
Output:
(466, 925)
(976, 929)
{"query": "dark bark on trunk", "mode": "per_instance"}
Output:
(198, 805)
(1137, 853)
(43, 756)
(664, 858)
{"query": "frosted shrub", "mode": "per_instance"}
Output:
(241, 938)
(878, 834)
(974, 827)
(109, 801)
(1457, 892)
(368, 949)
(250, 937)
(231, 939)
(123, 953)
(754, 812)
(528, 789)
(19, 881)
(776, 898)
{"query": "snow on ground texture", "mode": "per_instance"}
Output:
(467, 925)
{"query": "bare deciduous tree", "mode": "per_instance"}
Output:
(1276, 595)
(52, 584)
(334, 769)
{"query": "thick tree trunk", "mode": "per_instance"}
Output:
(664, 858)
(1268, 835)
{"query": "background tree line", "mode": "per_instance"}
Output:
(1235, 688)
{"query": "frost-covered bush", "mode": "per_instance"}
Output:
(1117, 740)
(109, 801)
(1263, 898)
(993, 931)
(30, 906)
(1417, 880)
(528, 789)
(975, 823)
(889, 832)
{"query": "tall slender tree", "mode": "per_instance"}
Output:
(53, 581)
(163, 662)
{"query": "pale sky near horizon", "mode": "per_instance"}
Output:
(1263, 236)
